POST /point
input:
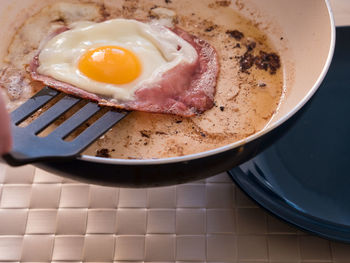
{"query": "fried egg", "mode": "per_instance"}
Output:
(114, 58)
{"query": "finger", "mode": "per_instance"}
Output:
(5, 130)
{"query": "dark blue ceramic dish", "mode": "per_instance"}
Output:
(304, 178)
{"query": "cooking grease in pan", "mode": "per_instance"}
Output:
(249, 89)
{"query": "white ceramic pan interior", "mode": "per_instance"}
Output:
(307, 27)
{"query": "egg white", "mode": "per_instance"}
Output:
(154, 45)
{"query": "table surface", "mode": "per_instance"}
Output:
(46, 218)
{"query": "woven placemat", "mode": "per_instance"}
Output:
(46, 218)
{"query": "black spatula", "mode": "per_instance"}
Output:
(28, 147)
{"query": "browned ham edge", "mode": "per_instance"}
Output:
(186, 90)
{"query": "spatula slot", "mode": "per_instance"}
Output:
(61, 119)
(84, 124)
(35, 106)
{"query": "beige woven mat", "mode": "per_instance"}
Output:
(46, 218)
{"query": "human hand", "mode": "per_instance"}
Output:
(5, 130)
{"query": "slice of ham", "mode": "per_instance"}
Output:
(185, 90)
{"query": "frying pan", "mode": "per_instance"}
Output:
(309, 31)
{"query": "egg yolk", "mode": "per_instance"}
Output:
(110, 64)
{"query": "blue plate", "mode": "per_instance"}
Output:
(304, 178)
